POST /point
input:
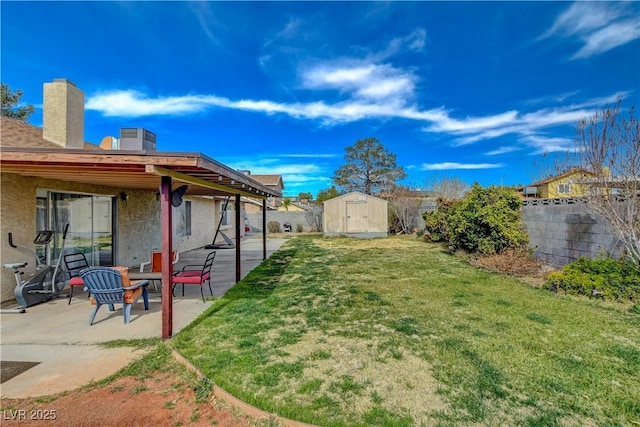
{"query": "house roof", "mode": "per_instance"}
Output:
(271, 180)
(23, 151)
(569, 172)
(19, 134)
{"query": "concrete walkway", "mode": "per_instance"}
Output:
(58, 335)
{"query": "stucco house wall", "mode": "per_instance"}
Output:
(357, 215)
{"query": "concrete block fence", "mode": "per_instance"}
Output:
(294, 218)
(563, 230)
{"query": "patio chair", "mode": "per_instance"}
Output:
(75, 263)
(156, 264)
(106, 287)
(189, 275)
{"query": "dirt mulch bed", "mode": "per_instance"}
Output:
(162, 399)
(516, 262)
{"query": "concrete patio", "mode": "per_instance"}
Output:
(58, 335)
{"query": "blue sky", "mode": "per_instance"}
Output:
(481, 91)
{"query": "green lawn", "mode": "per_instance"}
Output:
(396, 332)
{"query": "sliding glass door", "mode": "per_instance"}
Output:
(90, 220)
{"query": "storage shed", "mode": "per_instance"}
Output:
(355, 215)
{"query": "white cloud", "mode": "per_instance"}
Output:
(311, 156)
(454, 165)
(609, 37)
(414, 42)
(206, 19)
(502, 150)
(275, 166)
(543, 144)
(467, 130)
(552, 98)
(582, 17)
(368, 89)
(361, 80)
(296, 176)
(600, 26)
(131, 103)
(521, 124)
(471, 124)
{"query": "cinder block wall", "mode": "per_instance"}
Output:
(561, 231)
(294, 218)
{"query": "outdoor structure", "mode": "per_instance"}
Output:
(568, 184)
(120, 204)
(273, 182)
(356, 215)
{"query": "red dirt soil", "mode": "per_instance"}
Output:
(160, 400)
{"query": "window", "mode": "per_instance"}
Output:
(182, 219)
(225, 218)
(564, 188)
(187, 212)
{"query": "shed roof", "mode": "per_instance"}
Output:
(343, 196)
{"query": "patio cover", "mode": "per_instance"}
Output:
(133, 169)
(142, 170)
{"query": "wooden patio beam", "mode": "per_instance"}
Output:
(157, 170)
(167, 261)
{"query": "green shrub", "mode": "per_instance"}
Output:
(274, 227)
(436, 223)
(487, 221)
(610, 278)
(299, 228)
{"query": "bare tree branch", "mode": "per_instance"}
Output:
(608, 146)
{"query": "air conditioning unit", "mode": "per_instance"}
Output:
(137, 139)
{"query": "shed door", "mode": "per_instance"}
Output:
(356, 217)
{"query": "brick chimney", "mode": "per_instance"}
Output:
(63, 114)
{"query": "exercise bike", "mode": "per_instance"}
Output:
(47, 281)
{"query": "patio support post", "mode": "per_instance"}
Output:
(264, 229)
(238, 265)
(167, 249)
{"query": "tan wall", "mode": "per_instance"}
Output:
(18, 216)
(204, 221)
(63, 114)
(137, 227)
(229, 229)
(137, 223)
(252, 208)
(335, 214)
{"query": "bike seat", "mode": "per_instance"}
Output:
(15, 265)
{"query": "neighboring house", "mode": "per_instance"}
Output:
(293, 207)
(568, 184)
(112, 199)
(355, 214)
(274, 182)
(253, 206)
